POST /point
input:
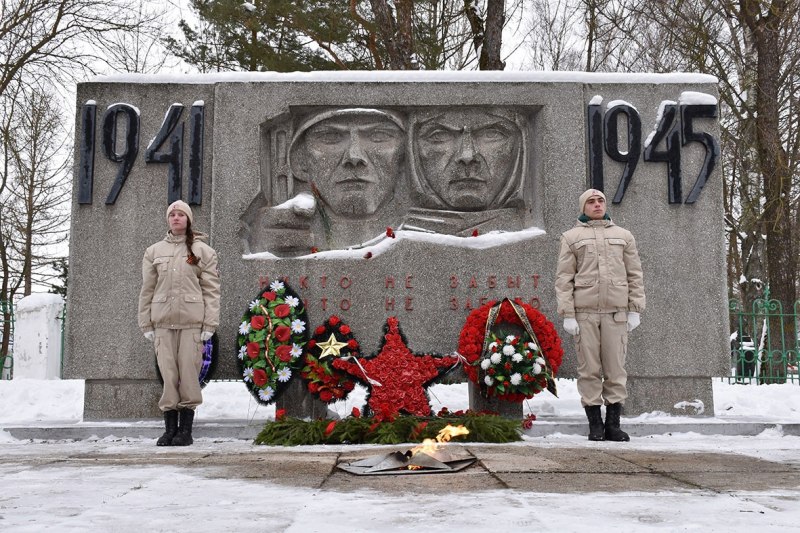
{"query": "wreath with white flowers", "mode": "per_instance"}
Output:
(271, 338)
(511, 350)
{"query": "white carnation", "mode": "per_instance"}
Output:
(508, 349)
(485, 364)
(517, 357)
(496, 358)
(537, 368)
(488, 380)
(539, 360)
(515, 378)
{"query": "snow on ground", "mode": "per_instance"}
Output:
(168, 498)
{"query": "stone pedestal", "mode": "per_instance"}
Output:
(298, 403)
(478, 402)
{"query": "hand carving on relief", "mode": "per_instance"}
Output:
(352, 159)
(469, 159)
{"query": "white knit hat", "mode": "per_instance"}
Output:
(585, 198)
(180, 205)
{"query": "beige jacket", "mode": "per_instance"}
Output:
(598, 270)
(175, 294)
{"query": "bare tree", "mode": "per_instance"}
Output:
(56, 37)
(38, 193)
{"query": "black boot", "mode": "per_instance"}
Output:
(184, 436)
(595, 422)
(171, 425)
(612, 424)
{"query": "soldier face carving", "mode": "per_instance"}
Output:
(353, 160)
(467, 156)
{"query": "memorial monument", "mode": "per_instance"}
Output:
(421, 197)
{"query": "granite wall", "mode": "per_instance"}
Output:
(251, 147)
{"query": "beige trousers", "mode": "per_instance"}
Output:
(180, 357)
(602, 345)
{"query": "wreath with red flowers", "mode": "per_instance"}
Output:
(475, 344)
(331, 340)
(271, 338)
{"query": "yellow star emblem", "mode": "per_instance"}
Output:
(332, 346)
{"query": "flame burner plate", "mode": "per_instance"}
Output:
(397, 463)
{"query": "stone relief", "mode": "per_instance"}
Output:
(337, 178)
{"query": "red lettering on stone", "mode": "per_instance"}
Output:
(263, 281)
(492, 282)
(324, 304)
(535, 303)
(511, 283)
(305, 303)
(389, 306)
(453, 282)
(408, 282)
(473, 283)
(454, 304)
(303, 282)
(344, 305)
(468, 305)
(345, 282)
(323, 280)
(409, 303)
(483, 301)
(535, 281)
(390, 282)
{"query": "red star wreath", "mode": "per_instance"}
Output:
(331, 340)
(271, 339)
(505, 365)
(397, 378)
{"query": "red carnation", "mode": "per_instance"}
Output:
(352, 344)
(320, 330)
(325, 396)
(311, 343)
(282, 310)
(282, 333)
(284, 352)
(390, 233)
(345, 329)
(507, 366)
(348, 385)
(253, 349)
(333, 320)
(269, 295)
(475, 233)
(368, 255)
(356, 413)
(280, 414)
(330, 428)
(491, 372)
(259, 377)
(313, 387)
(257, 322)
(314, 249)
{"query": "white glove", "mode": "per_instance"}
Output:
(633, 320)
(150, 335)
(571, 326)
(204, 336)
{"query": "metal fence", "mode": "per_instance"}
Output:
(6, 340)
(764, 342)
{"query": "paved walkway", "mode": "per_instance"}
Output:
(530, 465)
